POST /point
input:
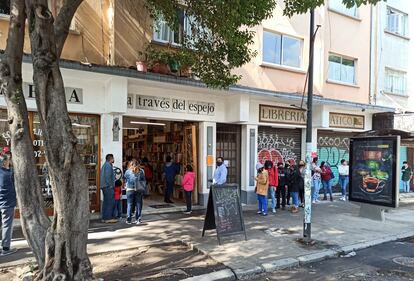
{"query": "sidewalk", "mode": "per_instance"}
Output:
(272, 240)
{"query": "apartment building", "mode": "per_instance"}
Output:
(117, 109)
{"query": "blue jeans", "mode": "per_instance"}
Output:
(7, 216)
(406, 186)
(316, 188)
(272, 192)
(343, 181)
(169, 191)
(295, 199)
(327, 187)
(108, 203)
(262, 203)
(117, 212)
(134, 199)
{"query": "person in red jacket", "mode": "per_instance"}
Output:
(327, 177)
(273, 182)
(117, 212)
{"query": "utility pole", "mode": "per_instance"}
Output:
(308, 175)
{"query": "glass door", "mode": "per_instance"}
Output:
(190, 154)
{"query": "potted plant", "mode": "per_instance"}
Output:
(158, 60)
(142, 63)
(186, 60)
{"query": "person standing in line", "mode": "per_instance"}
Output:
(117, 212)
(149, 172)
(107, 183)
(326, 175)
(302, 171)
(135, 190)
(316, 180)
(297, 185)
(220, 174)
(7, 204)
(343, 171)
(170, 171)
(262, 186)
(288, 175)
(282, 186)
(273, 182)
(406, 176)
(188, 186)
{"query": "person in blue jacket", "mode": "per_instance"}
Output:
(107, 186)
(170, 171)
(7, 204)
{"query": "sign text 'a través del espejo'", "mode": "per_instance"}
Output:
(170, 105)
(275, 114)
(73, 95)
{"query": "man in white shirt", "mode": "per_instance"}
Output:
(220, 174)
(343, 171)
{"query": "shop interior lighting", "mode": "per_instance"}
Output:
(147, 123)
(80, 125)
(3, 120)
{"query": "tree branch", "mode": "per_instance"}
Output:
(63, 21)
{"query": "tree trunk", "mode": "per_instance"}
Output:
(66, 239)
(30, 201)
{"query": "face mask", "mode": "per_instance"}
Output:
(219, 163)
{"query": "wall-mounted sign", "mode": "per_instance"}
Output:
(73, 95)
(389, 120)
(286, 115)
(170, 105)
(348, 121)
(373, 166)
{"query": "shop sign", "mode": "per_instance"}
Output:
(347, 121)
(73, 95)
(170, 105)
(404, 122)
(274, 114)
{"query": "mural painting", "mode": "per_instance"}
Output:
(332, 148)
(277, 148)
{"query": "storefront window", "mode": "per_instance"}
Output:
(86, 128)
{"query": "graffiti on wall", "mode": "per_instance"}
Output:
(276, 148)
(332, 149)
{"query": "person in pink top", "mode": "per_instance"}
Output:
(188, 186)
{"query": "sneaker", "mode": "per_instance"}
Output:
(325, 198)
(128, 222)
(295, 210)
(264, 214)
(259, 212)
(332, 199)
(342, 199)
(313, 201)
(138, 222)
(6, 252)
(274, 211)
(187, 212)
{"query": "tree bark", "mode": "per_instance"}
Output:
(66, 239)
(30, 201)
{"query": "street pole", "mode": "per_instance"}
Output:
(308, 175)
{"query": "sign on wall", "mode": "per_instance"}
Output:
(285, 115)
(73, 95)
(347, 121)
(167, 104)
(373, 166)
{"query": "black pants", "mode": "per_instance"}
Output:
(302, 195)
(288, 195)
(281, 194)
(169, 191)
(188, 199)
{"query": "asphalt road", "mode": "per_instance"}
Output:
(392, 261)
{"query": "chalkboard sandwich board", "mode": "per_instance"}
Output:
(224, 211)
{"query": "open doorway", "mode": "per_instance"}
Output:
(153, 141)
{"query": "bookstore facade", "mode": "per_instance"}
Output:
(139, 118)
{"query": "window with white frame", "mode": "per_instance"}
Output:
(339, 6)
(5, 7)
(164, 33)
(395, 81)
(341, 69)
(397, 22)
(282, 49)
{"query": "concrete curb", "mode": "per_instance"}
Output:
(222, 275)
(242, 273)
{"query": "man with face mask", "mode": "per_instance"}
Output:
(220, 174)
(406, 176)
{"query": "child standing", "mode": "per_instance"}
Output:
(262, 187)
(117, 213)
(188, 186)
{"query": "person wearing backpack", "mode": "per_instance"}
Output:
(273, 182)
(327, 176)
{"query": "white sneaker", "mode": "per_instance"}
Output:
(313, 201)
(8, 252)
(274, 211)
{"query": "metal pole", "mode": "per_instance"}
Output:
(308, 174)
